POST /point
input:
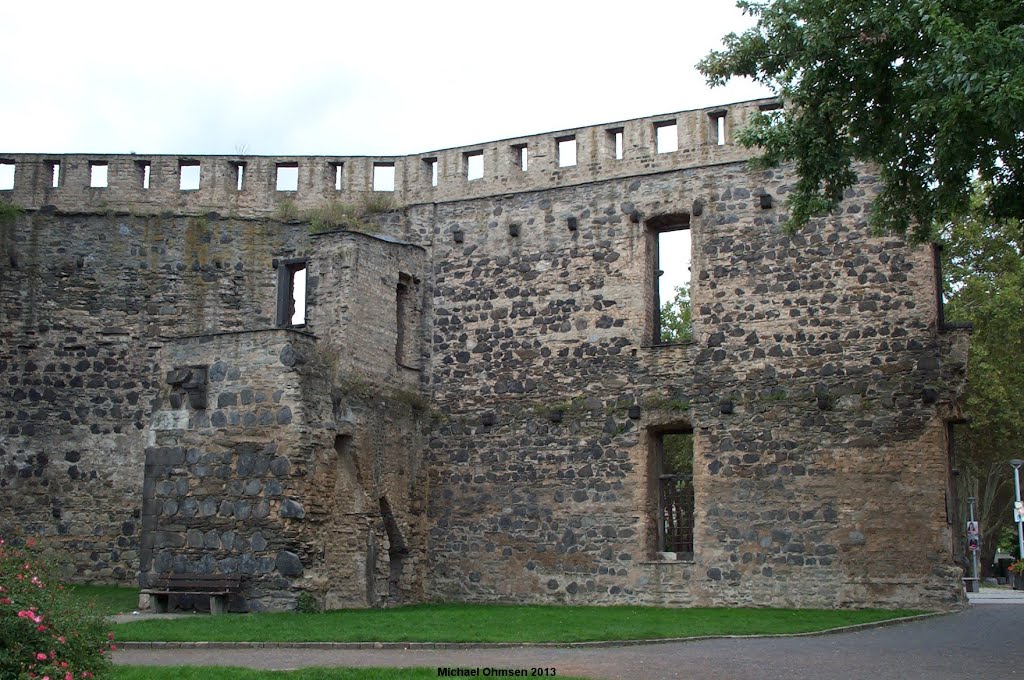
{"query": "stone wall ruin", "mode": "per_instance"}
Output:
(472, 406)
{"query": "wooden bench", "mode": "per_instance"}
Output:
(216, 586)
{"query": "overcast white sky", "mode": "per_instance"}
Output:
(387, 78)
(344, 78)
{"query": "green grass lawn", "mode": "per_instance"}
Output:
(494, 623)
(227, 673)
(107, 599)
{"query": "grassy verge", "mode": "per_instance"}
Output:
(227, 673)
(107, 599)
(495, 623)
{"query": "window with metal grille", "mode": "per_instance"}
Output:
(674, 451)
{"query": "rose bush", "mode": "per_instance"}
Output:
(45, 633)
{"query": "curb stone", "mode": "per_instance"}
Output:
(512, 645)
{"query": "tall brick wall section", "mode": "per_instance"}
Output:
(471, 409)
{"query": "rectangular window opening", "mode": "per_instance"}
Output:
(406, 352)
(188, 175)
(383, 176)
(143, 170)
(615, 137)
(667, 134)
(717, 133)
(474, 165)
(54, 174)
(940, 298)
(291, 294)
(336, 169)
(672, 304)
(239, 175)
(521, 157)
(430, 168)
(673, 464)
(7, 169)
(566, 151)
(98, 174)
(287, 176)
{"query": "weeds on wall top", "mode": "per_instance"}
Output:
(9, 212)
(352, 216)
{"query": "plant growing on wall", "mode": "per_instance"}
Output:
(9, 212)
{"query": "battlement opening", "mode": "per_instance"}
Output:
(474, 164)
(717, 130)
(565, 149)
(54, 173)
(287, 176)
(98, 174)
(335, 170)
(188, 175)
(667, 136)
(615, 142)
(520, 157)
(430, 170)
(143, 169)
(7, 169)
(383, 176)
(239, 168)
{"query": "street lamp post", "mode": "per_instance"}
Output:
(1016, 463)
(973, 548)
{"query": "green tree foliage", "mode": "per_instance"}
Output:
(932, 91)
(678, 454)
(677, 317)
(984, 282)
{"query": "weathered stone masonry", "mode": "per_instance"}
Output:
(470, 409)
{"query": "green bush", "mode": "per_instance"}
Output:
(307, 603)
(44, 631)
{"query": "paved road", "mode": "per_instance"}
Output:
(981, 643)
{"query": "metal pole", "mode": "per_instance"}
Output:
(974, 553)
(1016, 463)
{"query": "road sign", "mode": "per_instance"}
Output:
(1018, 511)
(972, 544)
(972, 529)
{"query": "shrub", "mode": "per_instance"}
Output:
(44, 631)
(307, 603)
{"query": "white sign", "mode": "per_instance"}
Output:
(972, 529)
(1018, 511)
